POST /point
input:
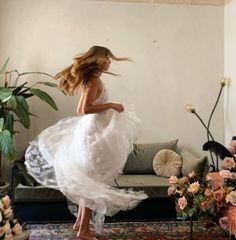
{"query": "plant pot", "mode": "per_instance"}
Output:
(4, 188)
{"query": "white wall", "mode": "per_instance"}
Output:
(230, 70)
(177, 52)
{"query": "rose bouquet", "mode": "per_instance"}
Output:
(232, 145)
(210, 198)
(8, 225)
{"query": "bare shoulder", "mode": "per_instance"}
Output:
(92, 83)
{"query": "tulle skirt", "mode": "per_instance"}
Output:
(81, 157)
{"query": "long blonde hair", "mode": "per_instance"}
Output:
(84, 66)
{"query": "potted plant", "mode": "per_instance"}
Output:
(14, 107)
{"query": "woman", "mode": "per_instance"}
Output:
(81, 156)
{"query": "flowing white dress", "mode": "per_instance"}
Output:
(82, 155)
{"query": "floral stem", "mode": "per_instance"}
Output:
(191, 228)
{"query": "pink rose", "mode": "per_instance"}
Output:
(194, 187)
(8, 213)
(183, 180)
(8, 236)
(1, 231)
(216, 180)
(231, 197)
(218, 195)
(233, 175)
(205, 205)
(17, 229)
(224, 222)
(207, 192)
(173, 179)
(228, 163)
(171, 190)
(233, 143)
(192, 174)
(225, 174)
(7, 228)
(232, 149)
(182, 202)
(231, 219)
(6, 201)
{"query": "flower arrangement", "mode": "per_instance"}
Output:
(213, 197)
(232, 145)
(8, 225)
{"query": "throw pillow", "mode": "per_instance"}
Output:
(193, 163)
(141, 158)
(167, 163)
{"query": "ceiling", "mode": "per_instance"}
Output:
(189, 2)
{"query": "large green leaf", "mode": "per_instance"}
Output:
(9, 122)
(1, 124)
(12, 103)
(21, 102)
(22, 111)
(3, 69)
(5, 94)
(44, 97)
(6, 145)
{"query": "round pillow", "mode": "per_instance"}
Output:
(167, 163)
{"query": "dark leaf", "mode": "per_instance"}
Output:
(12, 103)
(44, 97)
(19, 88)
(9, 122)
(22, 111)
(217, 148)
(21, 103)
(27, 95)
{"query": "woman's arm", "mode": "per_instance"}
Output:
(86, 105)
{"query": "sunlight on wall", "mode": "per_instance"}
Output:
(230, 70)
(177, 53)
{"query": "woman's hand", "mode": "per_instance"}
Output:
(117, 106)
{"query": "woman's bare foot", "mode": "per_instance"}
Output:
(76, 227)
(90, 235)
(87, 236)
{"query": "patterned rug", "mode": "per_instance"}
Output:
(161, 230)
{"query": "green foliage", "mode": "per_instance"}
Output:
(44, 97)
(14, 106)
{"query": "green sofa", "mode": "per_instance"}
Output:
(138, 174)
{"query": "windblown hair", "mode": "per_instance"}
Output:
(84, 67)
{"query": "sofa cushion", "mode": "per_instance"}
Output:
(167, 163)
(141, 158)
(152, 185)
(192, 163)
(37, 193)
